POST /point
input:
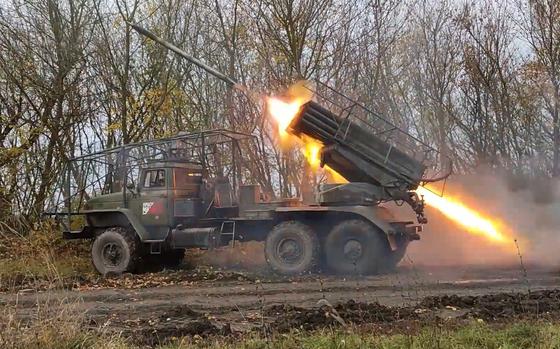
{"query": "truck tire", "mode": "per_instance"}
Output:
(116, 251)
(292, 248)
(355, 247)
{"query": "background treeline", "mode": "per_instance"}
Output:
(478, 80)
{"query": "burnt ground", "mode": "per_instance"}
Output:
(151, 309)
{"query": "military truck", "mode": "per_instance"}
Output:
(150, 201)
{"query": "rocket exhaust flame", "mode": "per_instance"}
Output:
(312, 152)
(468, 218)
(284, 109)
(283, 112)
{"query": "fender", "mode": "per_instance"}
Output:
(122, 217)
(382, 218)
(370, 213)
(374, 215)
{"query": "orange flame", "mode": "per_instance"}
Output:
(470, 219)
(283, 112)
(312, 151)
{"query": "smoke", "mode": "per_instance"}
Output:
(244, 256)
(528, 211)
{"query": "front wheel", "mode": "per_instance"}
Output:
(292, 248)
(355, 247)
(116, 251)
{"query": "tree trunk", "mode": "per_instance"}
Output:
(556, 133)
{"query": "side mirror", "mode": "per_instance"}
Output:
(133, 188)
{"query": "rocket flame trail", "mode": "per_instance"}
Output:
(283, 112)
(473, 221)
(312, 152)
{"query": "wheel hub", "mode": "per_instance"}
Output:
(353, 250)
(112, 254)
(289, 251)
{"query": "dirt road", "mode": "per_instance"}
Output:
(242, 305)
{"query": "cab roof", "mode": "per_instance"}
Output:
(174, 164)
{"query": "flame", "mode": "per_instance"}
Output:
(470, 219)
(283, 111)
(312, 151)
(335, 176)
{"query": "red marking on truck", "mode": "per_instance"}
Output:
(153, 208)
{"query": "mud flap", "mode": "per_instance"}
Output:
(392, 242)
(87, 232)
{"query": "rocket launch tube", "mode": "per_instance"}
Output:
(355, 151)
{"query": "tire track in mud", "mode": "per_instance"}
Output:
(152, 314)
(396, 289)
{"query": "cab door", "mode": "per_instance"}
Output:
(185, 196)
(154, 197)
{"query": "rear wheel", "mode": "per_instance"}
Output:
(355, 247)
(292, 248)
(115, 251)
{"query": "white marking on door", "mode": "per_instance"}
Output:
(146, 206)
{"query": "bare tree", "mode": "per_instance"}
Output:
(542, 30)
(47, 41)
(437, 62)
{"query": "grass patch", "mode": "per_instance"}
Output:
(60, 326)
(520, 335)
(41, 257)
(52, 324)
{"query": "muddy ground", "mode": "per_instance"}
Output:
(152, 308)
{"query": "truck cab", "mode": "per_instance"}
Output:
(166, 194)
(169, 194)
